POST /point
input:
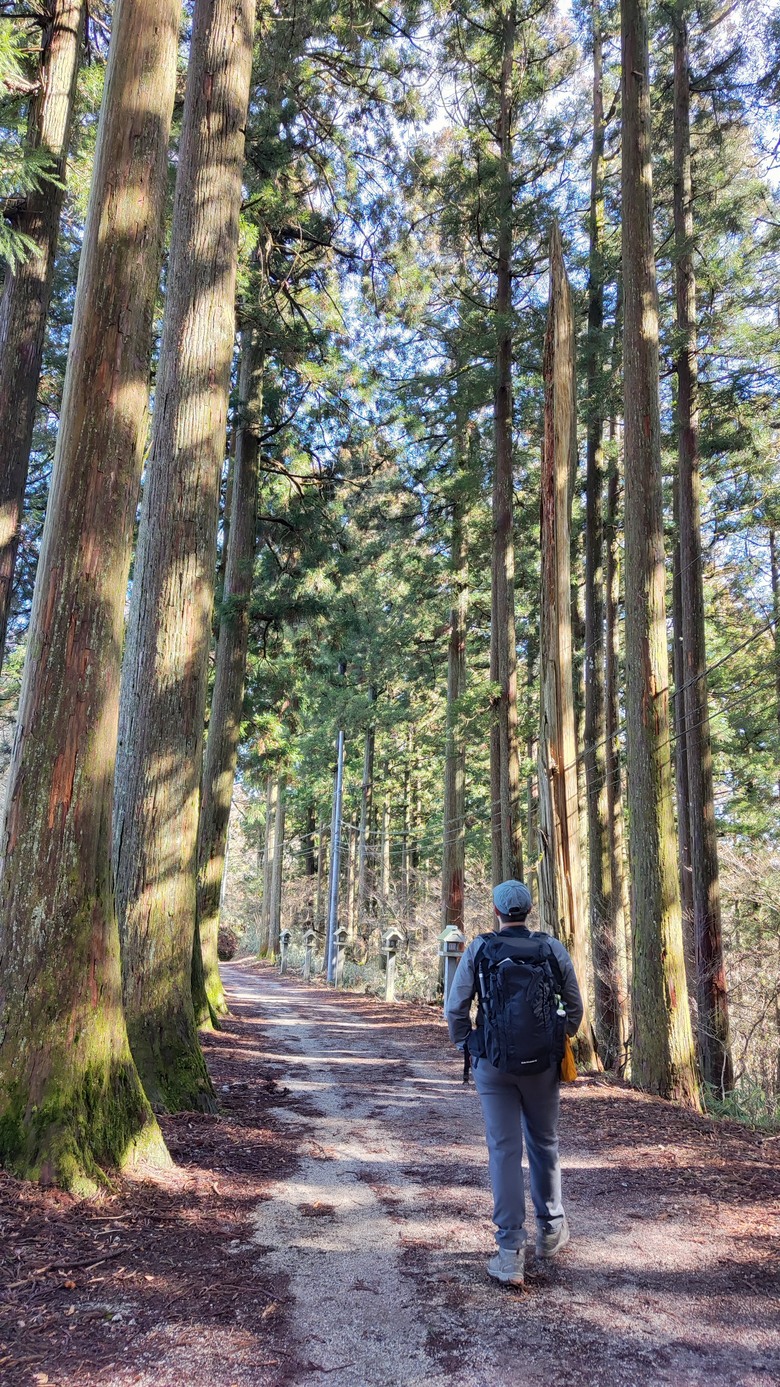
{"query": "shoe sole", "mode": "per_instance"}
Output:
(508, 1279)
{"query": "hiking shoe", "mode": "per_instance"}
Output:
(550, 1243)
(508, 1266)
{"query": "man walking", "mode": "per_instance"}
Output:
(513, 973)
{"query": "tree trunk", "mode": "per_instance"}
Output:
(681, 763)
(454, 848)
(219, 768)
(713, 1012)
(70, 1098)
(24, 306)
(271, 795)
(319, 914)
(609, 984)
(774, 568)
(561, 897)
(169, 629)
(309, 854)
(663, 1054)
(366, 801)
(384, 848)
(619, 914)
(349, 880)
(504, 755)
(275, 916)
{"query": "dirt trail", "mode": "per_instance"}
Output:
(382, 1232)
(331, 1227)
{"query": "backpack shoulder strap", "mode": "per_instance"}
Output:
(547, 952)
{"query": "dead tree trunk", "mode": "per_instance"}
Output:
(24, 306)
(169, 628)
(561, 897)
(713, 1012)
(504, 756)
(219, 766)
(663, 1053)
(70, 1097)
(681, 763)
(619, 922)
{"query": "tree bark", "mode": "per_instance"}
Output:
(169, 629)
(681, 763)
(219, 767)
(24, 306)
(275, 916)
(561, 897)
(454, 847)
(271, 794)
(366, 802)
(619, 921)
(713, 1013)
(663, 1054)
(608, 968)
(504, 754)
(70, 1097)
(774, 568)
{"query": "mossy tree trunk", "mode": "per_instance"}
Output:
(70, 1098)
(663, 1054)
(219, 766)
(713, 1012)
(561, 895)
(169, 629)
(506, 837)
(24, 305)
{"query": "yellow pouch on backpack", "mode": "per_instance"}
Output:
(568, 1067)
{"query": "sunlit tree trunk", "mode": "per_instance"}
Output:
(681, 762)
(219, 763)
(70, 1097)
(713, 1013)
(561, 896)
(504, 756)
(663, 1053)
(169, 628)
(24, 305)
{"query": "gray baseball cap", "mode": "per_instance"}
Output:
(512, 899)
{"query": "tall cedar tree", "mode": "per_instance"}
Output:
(27, 289)
(663, 1054)
(454, 828)
(609, 984)
(561, 895)
(169, 628)
(70, 1096)
(219, 762)
(507, 836)
(713, 1014)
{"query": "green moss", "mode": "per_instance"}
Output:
(82, 1128)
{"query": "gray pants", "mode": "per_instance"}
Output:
(512, 1105)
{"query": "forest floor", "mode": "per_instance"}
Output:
(331, 1227)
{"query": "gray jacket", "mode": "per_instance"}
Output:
(458, 1009)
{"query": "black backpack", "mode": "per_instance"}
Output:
(521, 1024)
